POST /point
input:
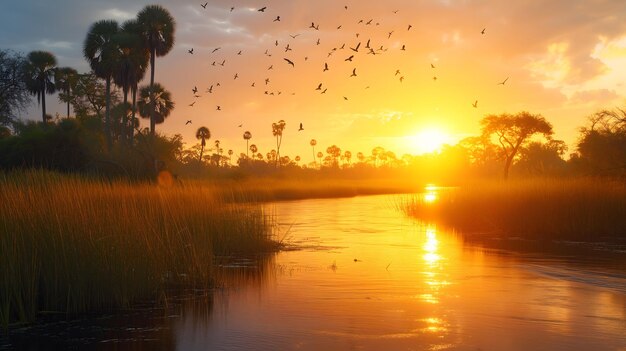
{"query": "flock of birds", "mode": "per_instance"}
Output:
(351, 54)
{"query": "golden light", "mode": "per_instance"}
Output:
(431, 256)
(428, 140)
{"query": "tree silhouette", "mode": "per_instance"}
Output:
(277, 131)
(202, 134)
(347, 155)
(156, 102)
(230, 156)
(602, 145)
(320, 155)
(14, 95)
(157, 28)
(65, 79)
(247, 136)
(512, 131)
(39, 77)
(334, 152)
(297, 158)
(102, 52)
(313, 142)
(360, 157)
(254, 150)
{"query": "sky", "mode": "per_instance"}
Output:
(563, 59)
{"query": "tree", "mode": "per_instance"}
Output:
(102, 52)
(320, 155)
(347, 155)
(65, 79)
(202, 134)
(247, 136)
(313, 142)
(539, 158)
(254, 149)
(89, 96)
(512, 131)
(157, 28)
(39, 77)
(602, 144)
(360, 157)
(230, 156)
(277, 131)
(156, 102)
(334, 152)
(14, 94)
(297, 159)
(132, 66)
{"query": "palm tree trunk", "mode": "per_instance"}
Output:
(314, 161)
(132, 122)
(107, 116)
(43, 105)
(247, 149)
(68, 102)
(152, 105)
(125, 118)
(201, 152)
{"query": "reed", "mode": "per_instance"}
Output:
(581, 209)
(71, 245)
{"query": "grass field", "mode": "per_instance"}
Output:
(563, 209)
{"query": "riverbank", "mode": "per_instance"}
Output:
(577, 209)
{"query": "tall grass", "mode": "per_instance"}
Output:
(564, 209)
(72, 245)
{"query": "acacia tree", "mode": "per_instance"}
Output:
(277, 131)
(247, 136)
(602, 145)
(39, 77)
(14, 95)
(512, 131)
(202, 134)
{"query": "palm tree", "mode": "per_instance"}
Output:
(65, 79)
(347, 156)
(313, 142)
(157, 30)
(132, 66)
(102, 52)
(230, 156)
(39, 77)
(156, 102)
(247, 136)
(320, 155)
(254, 150)
(217, 146)
(202, 134)
(277, 131)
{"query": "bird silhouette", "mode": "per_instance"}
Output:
(409, 28)
(368, 22)
(432, 66)
(190, 51)
(191, 104)
(349, 58)
(319, 87)
(483, 31)
(241, 125)
(214, 50)
(276, 43)
(353, 73)
(356, 49)
(277, 19)
(314, 26)
(318, 41)
(324, 91)
(270, 67)
(345, 98)
(204, 6)
(210, 90)
(339, 27)
(252, 84)
(236, 76)
(239, 53)
(267, 81)
(397, 72)
(475, 104)
(403, 48)
(262, 9)
(232, 9)
(294, 36)
(435, 78)
(504, 81)
(325, 67)
(389, 34)
(289, 62)
(222, 63)
(219, 108)
(300, 127)
(287, 48)
(188, 122)
(401, 79)
(195, 89)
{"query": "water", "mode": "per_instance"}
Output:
(362, 276)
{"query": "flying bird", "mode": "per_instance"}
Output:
(219, 108)
(432, 66)
(356, 49)
(214, 50)
(239, 53)
(191, 104)
(252, 84)
(403, 48)
(241, 125)
(267, 81)
(289, 62)
(435, 78)
(318, 41)
(475, 104)
(232, 9)
(353, 73)
(389, 34)
(270, 67)
(300, 127)
(504, 81)
(262, 9)
(368, 22)
(397, 72)
(190, 51)
(410, 26)
(483, 31)
(277, 19)
(195, 89)
(287, 48)
(349, 58)
(324, 91)
(314, 26)
(367, 45)
(204, 6)
(345, 98)
(401, 79)
(188, 122)
(236, 76)
(325, 67)
(319, 87)
(294, 36)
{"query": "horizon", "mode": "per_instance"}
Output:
(564, 70)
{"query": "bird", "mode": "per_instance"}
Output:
(190, 51)
(267, 81)
(343, 46)
(270, 67)
(324, 91)
(214, 50)
(222, 64)
(318, 41)
(353, 73)
(232, 9)
(219, 108)
(210, 90)
(236, 76)
(204, 6)
(367, 45)
(239, 53)
(289, 62)
(314, 26)
(262, 9)
(401, 79)
(213, 64)
(191, 104)
(475, 104)
(195, 89)
(287, 48)
(241, 125)
(188, 122)
(319, 87)
(483, 31)
(294, 36)
(345, 98)
(368, 22)
(252, 84)
(403, 48)
(356, 49)
(276, 43)
(277, 19)
(432, 66)
(325, 67)
(397, 72)
(339, 27)
(435, 78)
(410, 26)
(389, 34)
(300, 127)
(196, 95)
(396, 11)
(504, 81)
(349, 58)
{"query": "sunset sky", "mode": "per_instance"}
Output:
(563, 59)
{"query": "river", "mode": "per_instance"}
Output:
(360, 275)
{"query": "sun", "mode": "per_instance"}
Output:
(428, 140)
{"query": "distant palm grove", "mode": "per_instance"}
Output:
(100, 134)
